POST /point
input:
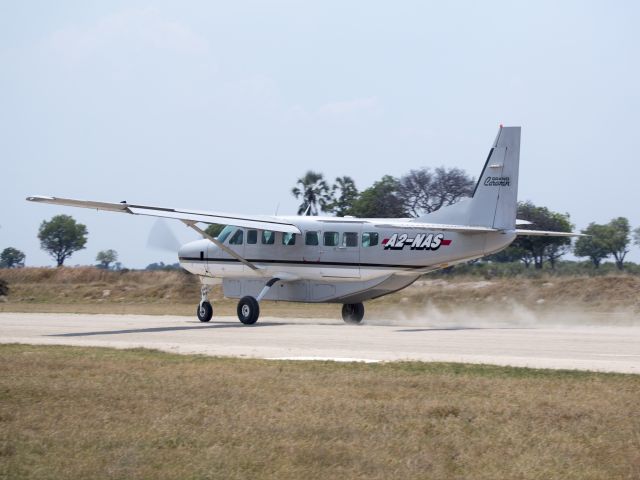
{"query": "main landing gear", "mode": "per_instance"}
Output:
(352, 313)
(249, 308)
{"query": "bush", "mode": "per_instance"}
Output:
(4, 288)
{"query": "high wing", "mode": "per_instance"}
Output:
(262, 222)
(435, 226)
(407, 223)
(474, 229)
(277, 224)
(546, 233)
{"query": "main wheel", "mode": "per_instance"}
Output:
(248, 310)
(204, 312)
(352, 313)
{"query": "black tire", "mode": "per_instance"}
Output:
(204, 311)
(248, 310)
(352, 313)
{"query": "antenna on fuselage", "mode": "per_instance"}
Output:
(306, 212)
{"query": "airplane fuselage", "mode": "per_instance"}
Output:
(330, 251)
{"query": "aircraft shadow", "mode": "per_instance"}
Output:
(161, 329)
(453, 329)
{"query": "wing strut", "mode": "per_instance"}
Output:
(220, 245)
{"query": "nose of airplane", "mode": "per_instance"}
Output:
(196, 250)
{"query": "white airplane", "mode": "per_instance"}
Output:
(343, 260)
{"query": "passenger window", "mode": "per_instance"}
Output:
(350, 239)
(369, 239)
(252, 237)
(311, 238)
(268, 237)
(330, 239)
(237, 237)
(288, 238)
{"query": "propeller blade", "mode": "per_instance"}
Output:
(162, 237)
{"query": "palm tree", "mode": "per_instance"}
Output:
(314, 192)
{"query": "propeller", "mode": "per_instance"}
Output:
(162, 237)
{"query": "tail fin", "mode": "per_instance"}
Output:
(495, 198)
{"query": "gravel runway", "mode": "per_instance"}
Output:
(599, 348)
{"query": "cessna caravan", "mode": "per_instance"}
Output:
(342, 260)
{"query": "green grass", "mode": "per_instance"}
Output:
(70, 412)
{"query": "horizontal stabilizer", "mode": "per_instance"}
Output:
(262, 222)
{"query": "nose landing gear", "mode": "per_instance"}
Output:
(205, 310)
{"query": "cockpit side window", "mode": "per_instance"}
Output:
(252, 237)
(237, 237)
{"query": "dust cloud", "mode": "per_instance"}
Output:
(512, 315)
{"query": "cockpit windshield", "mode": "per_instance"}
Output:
(226, 231)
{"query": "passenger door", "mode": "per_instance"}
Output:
(340, 252)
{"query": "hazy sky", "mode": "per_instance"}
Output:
(223, 105)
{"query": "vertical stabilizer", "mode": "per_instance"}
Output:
(494, 200)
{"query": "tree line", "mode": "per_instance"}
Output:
(424, 190)
(60, 237)
(612, 239)
(419, 192)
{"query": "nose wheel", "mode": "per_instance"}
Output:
(205, 309)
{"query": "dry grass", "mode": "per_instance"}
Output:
(604, 293)
(90, 290)
(98, 413)
(93, 285)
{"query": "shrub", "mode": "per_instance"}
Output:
(4, 288)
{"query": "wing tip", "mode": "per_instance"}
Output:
(39, 198)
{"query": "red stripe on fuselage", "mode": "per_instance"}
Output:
(445, 242)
